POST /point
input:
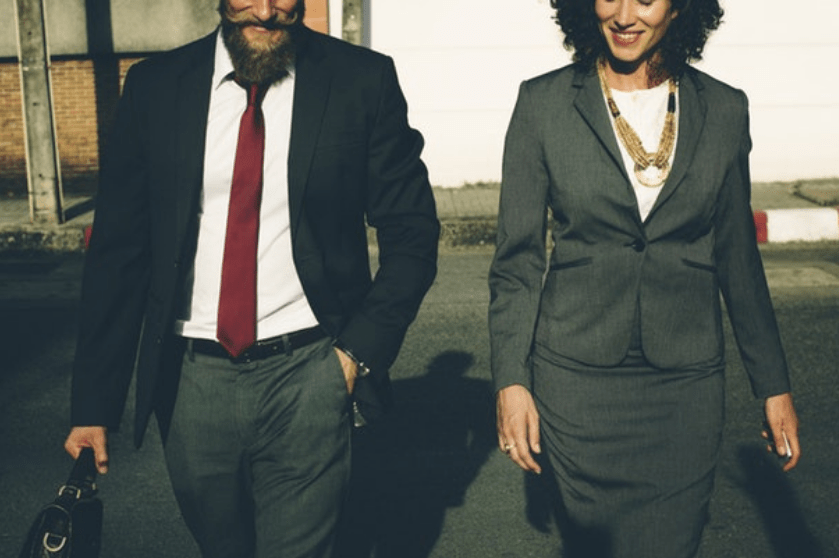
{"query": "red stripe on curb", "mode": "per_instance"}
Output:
(88, 230)
(761, 227)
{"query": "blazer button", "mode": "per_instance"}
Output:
(638, 245)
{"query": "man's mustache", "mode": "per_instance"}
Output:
(276, 22)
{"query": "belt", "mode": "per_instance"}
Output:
(264, 348)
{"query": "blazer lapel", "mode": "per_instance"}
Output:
(692, 110)
(312, 82)
(590, 104)
(190, 126)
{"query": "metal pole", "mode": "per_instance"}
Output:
(42, 164)
(353, 21)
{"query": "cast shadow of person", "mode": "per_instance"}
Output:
(543, 506)
(418, 462)
(780, 512)
(762, 480)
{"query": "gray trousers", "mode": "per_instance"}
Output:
(259, 453)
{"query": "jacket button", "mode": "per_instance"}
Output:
(638, 245)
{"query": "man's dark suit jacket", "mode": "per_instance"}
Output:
(607, 263)
(352, 157)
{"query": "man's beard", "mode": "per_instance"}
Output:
(263, 64)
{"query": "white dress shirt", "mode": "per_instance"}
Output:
(282, 306)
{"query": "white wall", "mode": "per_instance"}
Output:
(460, 63)
(785, 58)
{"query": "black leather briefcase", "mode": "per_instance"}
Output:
(70, 526)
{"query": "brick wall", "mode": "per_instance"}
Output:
(12, 151)
(74, 97)
(80, 120)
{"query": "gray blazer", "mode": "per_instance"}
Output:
(699, 239)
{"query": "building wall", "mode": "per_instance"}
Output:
(12, 150)
(460, 64)
(783, 58)
(138, 25)
(78, 122)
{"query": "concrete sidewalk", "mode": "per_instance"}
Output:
(784, 212)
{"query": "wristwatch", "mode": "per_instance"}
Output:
(363, 370)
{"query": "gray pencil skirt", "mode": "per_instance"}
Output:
(633, 449)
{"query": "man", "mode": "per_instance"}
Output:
(230, 240)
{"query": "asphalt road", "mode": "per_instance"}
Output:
(429, 482)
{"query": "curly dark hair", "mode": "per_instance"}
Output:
(683, 43)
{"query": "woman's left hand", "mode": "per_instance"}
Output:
(783, 422)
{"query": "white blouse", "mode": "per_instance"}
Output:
(644, 110)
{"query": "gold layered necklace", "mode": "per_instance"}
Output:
(651, 169)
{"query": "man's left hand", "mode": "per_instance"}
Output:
(350, 369)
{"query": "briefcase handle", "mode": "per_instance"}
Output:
(82, 480)
(57, 530)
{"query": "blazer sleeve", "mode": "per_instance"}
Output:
(400, 206)
(742, 277)
(116, 275)
(518, 268)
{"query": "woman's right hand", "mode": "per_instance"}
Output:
(517, 422)
(95, 437)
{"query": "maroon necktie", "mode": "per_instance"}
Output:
(237, 298)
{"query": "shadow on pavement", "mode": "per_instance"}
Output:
(782, 517)
(544, 507)
(763, 481)
(408, 470)
(33, 411)
(79, 208)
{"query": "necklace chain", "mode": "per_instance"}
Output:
(644, 160)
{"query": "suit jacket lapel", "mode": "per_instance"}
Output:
(190, 126)
(591, 106)
(312, 83)
(692, 109)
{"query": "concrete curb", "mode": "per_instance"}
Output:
(474, 231)
(42, 238)
(785, 212)
(794, 225)
(772, 225)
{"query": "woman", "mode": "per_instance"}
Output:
(610, 354)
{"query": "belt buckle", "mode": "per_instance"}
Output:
(258, 350)
(244, 358)
(287, 348)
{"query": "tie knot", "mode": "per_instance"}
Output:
(255, 91)
(254, 94)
